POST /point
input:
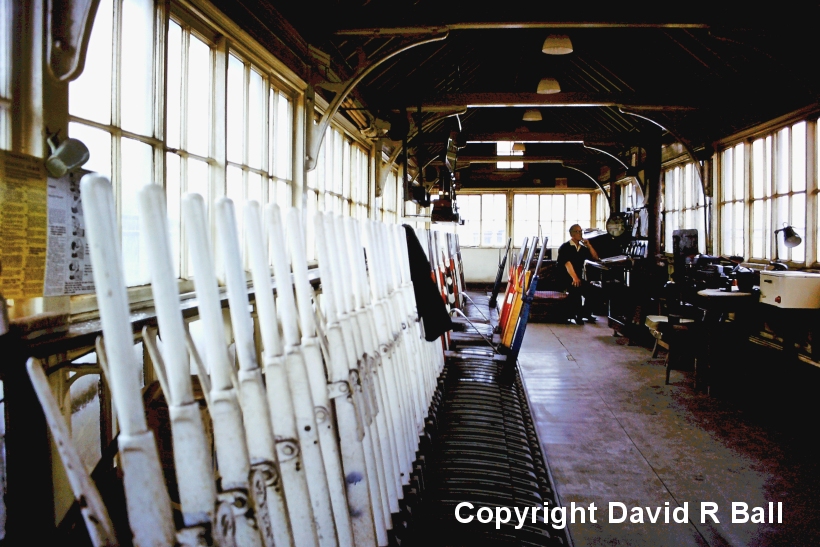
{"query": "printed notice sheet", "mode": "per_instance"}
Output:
(22, 225)
(68, 268)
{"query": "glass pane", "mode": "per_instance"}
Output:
(173, 86)
(89, 96)
(727, 221)
(584, 209)
(137, 76)
(255, 187)
(727, 178)
(236, 109)
(236, 186)
(5, 81)
(198, 182)
(798, 157)
(198, 178)
(738, 246)
(284, 137)
(284, 195)
(173, 192)
(758, 168)
(257, 128)
(199, 95)
(99, 147)
(798, 222)
(346, 190)
(310, 232)
(759, 232)
(137, 170)
(5, 49)
(783, 161)
(781, 213)
(738, 181)
(236, 191)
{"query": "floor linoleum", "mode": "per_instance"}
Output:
(613, 432)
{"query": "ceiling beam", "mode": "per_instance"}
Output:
(534, 100)
(496, 159)
(503, 25)
(597, 139)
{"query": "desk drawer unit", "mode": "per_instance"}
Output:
(790, 289)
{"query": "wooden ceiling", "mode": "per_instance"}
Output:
(692, 73)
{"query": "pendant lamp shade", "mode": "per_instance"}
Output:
(548, 85)
(532, 116)
(519, 147)
(557, 44)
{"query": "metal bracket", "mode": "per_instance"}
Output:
(69, 29)
(316, 132)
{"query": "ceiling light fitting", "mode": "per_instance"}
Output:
(519, 147)
(547, 86)
(532, 116)
(557, 44)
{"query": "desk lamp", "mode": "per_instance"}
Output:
(790, 239)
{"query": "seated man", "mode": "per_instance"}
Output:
(571, 258)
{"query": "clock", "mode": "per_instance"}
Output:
(616, 225)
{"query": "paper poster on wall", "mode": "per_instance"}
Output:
(68, 265)
(22, 225)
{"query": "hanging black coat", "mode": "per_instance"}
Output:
(429, 302)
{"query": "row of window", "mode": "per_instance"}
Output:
(763, 184)
(217, 121)
(545, 215)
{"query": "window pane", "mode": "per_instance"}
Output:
(783, 161)
(89, 96)
(255, 187)
(236, 191)
(798, 222)
(759, 168)
(256, 120)
(137, 78)
(283, 165)
(5, 75)
(236, 109)
(137, 169)
(727, 222)
(198, 178)
(310, 232)
(199, 94)
(99, 147)
(798, 157)
(174, 85)
(738, 174)
(284, 194)
(737, 247)
(759, 232)
(173, 193)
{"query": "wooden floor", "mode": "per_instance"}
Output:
(612, 431)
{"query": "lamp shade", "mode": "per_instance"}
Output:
(790, 237)
(532, 115)
(557, 44)
(519, 147)
(547, 86)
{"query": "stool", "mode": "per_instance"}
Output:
(668, 334)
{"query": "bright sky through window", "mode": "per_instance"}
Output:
(504, 148)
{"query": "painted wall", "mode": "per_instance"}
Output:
(481, 265)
